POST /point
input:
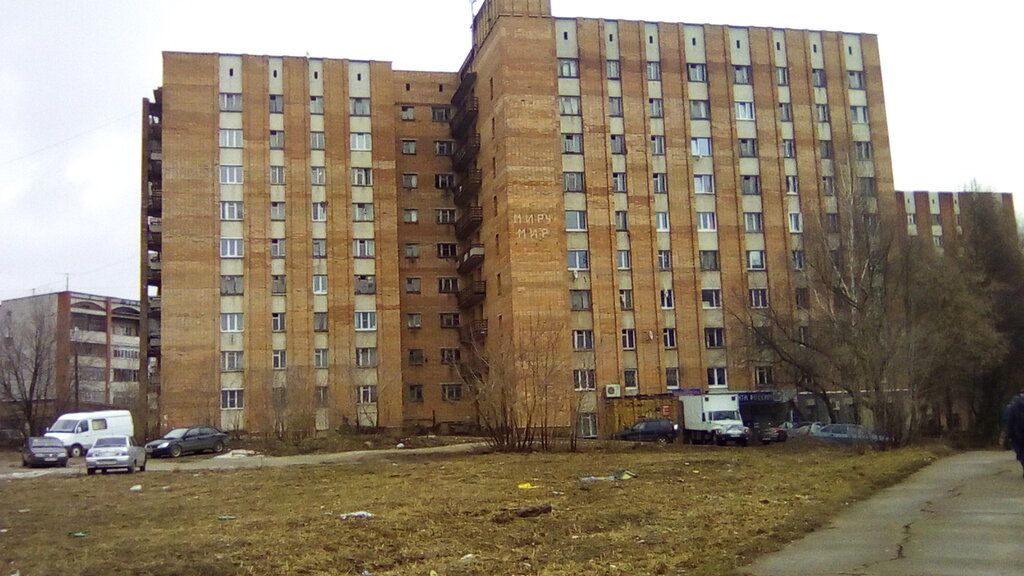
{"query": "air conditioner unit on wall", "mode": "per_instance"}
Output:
(612, 391)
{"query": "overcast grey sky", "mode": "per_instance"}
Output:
(73, 74)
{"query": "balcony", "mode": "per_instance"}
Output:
(465, 116)
(466, 152)
(469, 222)
(154, 201)
(154, 233)
(472, 294)
(154, 306)
(475, 332)
(153, 272)
(471, 259)
(467, 81)
(468, 188)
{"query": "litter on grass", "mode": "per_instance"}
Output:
(226, 517)
(619, 475)
(359, 514)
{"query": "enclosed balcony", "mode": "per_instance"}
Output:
(471, 259)
(472, 294)
(468, 188)
(466, 152)
(469, 222)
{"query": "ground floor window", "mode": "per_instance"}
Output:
(586, 425)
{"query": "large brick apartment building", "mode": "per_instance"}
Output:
(334, 241)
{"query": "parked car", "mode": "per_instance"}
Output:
(766, 433)
(43, 451)
(800, 428)
(848, 434)
(115, 452)
(649, 430)
(735, 433)
(187, 440)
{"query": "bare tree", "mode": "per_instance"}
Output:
(27, 367)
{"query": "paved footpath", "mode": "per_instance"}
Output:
(962, 516)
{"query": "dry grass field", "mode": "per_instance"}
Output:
(695, 510)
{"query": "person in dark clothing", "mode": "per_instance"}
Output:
(1015, 427)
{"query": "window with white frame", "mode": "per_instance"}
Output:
(569, 105)
(276, 140)
(231, 174)
(572, 143)
(657, 145)
(584, 379)
(365, 320)
(862, 150)
(232, 399)
(655, 107)
(755, 260)
(782, 76)
(410, 215)
(696, 73)
(231, 322)
(317, 141)
(785, 112)
(763, 377)
(444, 215)
(659, 182)
(317, 175)
(661, 221)
(859, 114)
(621, 220)
(630, 378)
(758, 297)
(741, 74)
(572, 181)
(277, 175)
(231, 360)
(711, 298)
(583, 339)
(450, 356)
(316, 105)
(664, 259)
(414, 320)
(753, 222)
(321, 359)
(277, 321)
(626, 299)
(408, 147)
(700, 110)
(579, 259)
(319, 211)
(366, 394)
(788, 148)
(744, 110)
(411, 250)
(440, 114)
(618, 143)
(410, 180)
(451, 392)
(319, 283)
(361, 141)
(668, 338)
(798, 259)
(856, 79)
(278, 247)
(231, 210)
(717, 377)
(818, 77)
(623, 259)
(230, 138)
(821, 112)
(653, 70)
(444, 181)
(278, 284)
(319, 248)
(628, 339)
(413, 285)
(230, 102)
(703, 184)
(613, 69)
(366, 357)
(277, 103)
(707, 221)
(444, 147)
(231, 248)
(361, 212)
(359, 106)
(365, 284)
(618, 182)
(748, 147)
(708, 260)
(672, 378)
(408, 112)
(568, 68)
(448, 285)
(796, 222)
(232, 285)
(700, 146)
(362, 177)
(615, 106)
(579, 300)
(792, 184)
(575, 220)
(447, 250)
(668, 298)
(363, 248)
(750, 185)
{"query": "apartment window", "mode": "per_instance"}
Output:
(615, 106)
(319, 283)
(363, 248)
(711, 298)
(618, 143)
(440, 114)
(447, 250)
(230, 174)
(763, 376)
(321, 360)
(317, 175)
(621, 221)
(796, 222)
(361, 141)
(569, 105)
(750, 185)
(278, 284)
(231, 211)
(629, 339)
(411, 250)
(231, 248)
(276, 140)
(825, 148)
(758, 297)
(714, 338)
(832, 222)
(700, 110)
(450, 356)
(579, 300)
(741, 75)
(232, 399)
(451, 392)
(664, 259)
(366, 357)
(414, 320)
(785, 112)
(572, 181)
(277, 175)
(818, 77)
(230, 102)
(753, 222)
(319, 248)
(653, 70)
(672, 377)
(748, 147)
(365, 284)
(319, 211)
(696, 73)
(231, 360)
(408, 147)
(444, 215)
(572, 143)
(416, 356)
(655, 107)
(659, 182)
(618, 182)
(798, 259)
(744, 110)
(856, 79)
(277, 103)
(412, 285)
(661, 221)
(657, 145)
(716, 378)
(278, 247)
(821, 112)
(362, 177)
(828, 185)
(230, 138)
(792, 184)
(231, 322)
(277, 322)
(868, 186)
(629, 378)
(568, 68)
(365, 320)
(584, 379)
(449, 319)
(707, 221)
(361, 211)
(448, 285)
(623, 259)
(802, 298)
(626, 299)
(862, 150)
(613, 69)
(708, 260)
(575, 220)
(788, 148)
(583, 339)
(700, 146)
(316, 104)
(415, 392)
(410, 180)
(318, 142)
(859, 114)
(782, 76)
(232, 285)
(408, 113)
(755, 260)
(366, 394)
(668, 298)
(444, 147)
(359, 106)
(703, 184)
(668, 338)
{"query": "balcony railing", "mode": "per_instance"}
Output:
(464, 117)
(468, 188)
(154, 201)
(472, 294)
(469, 222)
(471, 259)
(476, 331)
(466, 152)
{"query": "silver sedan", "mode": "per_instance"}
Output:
(115, 452)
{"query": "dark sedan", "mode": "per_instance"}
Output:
(44, 451)
(187, 440)
(660, 430)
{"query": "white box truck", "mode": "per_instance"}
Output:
(79, 430)
(713, 417)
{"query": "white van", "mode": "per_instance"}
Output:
(79, 430)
